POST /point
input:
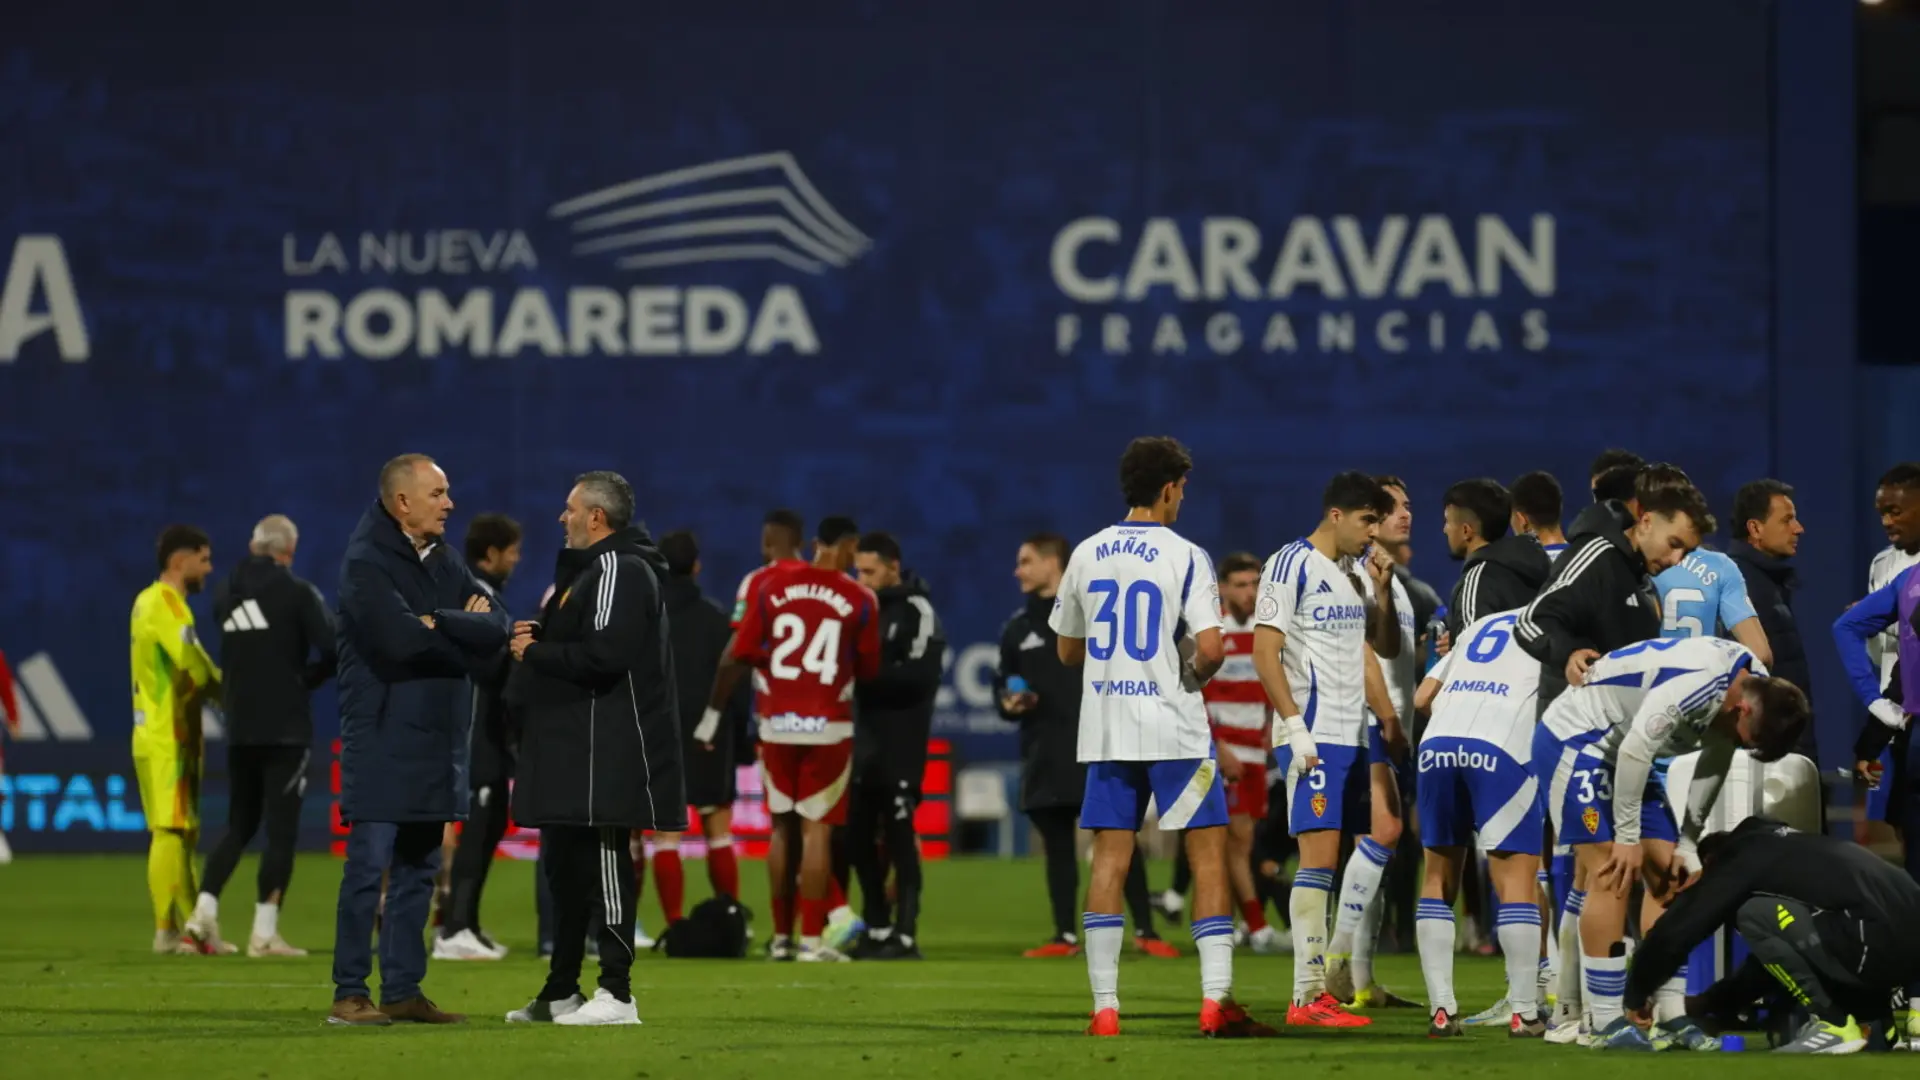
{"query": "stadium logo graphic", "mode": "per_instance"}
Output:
(1392, 283)
(43, 708)
(758, 209)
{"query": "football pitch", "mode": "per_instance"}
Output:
(82, 995)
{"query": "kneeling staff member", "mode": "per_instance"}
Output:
(600, 742)
(1830, 921)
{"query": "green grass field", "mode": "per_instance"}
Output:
(81, 995)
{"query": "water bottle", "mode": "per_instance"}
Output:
(1435, 627)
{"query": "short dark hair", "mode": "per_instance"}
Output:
(488, 532)
(1754, 502)
(789, 520)
(1355, 490)
(1613, 458)
(682, 550)
(1666, 490)
(608, 492)
(1784, 713)
(882, 544)
(1537, 497)
(1388, 480)
(1239, 563)
(1150, 463)
(1904, 475)
(835, 529)
(1051, 545)
(1616, 484)
(1487, 502)
(180, 538)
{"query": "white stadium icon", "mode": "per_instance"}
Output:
(663, 219)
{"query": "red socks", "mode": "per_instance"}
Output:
(1255, 913)
(813, 917)
(670, 878)
(723, 870)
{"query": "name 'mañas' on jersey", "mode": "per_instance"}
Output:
(1677, 684)
(1133, 591)
(1487, 688)
(811, 632)
(1307, 597)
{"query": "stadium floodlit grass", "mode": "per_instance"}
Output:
(81, 995)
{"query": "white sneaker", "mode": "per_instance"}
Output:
(1267, 941)
(498, 950)
(1565, 1032)
(461, 946)
(641, 939)
(603, 1011)
(822, 954)
(272, 946)
(167, 942)
(6, 853)
(546, 1012)
(204, 936)
(782, 949)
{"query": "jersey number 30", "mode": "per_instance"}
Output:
(822, 655)
(1133, 620)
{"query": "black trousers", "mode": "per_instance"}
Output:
(888, 770)
(473, 858)
(265, 784)
(1058, 827)
(1835, 963)
(590, 874)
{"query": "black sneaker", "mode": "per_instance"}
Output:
(899, 948)
(870, 947)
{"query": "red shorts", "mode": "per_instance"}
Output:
(809, 780)
(1248, 795)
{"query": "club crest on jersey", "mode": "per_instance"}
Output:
(1318, 804)
(1269, 605)
(1590, 817)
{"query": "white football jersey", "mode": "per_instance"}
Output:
(1134, 591)
(1306, 596)
(1403, 671)
(1487, 688)
(1670, 688)
(1884, 647)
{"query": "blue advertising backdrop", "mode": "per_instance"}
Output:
(928, 265)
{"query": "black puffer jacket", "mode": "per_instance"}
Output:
(598, 706)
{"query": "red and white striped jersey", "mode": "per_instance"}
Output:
(1236, 704)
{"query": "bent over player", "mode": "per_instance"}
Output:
(1594, 753)
(1139, 610)
(173, 677)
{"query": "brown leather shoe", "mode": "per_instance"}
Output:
(357, 1012)
(421, 1011)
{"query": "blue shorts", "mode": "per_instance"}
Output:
(1880, 799)
(1471, 786)
(1187, 792)
(1579, 787)
(1336, 794)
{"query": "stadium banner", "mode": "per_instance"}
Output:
(931, 267)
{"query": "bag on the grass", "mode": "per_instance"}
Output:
(715, 928)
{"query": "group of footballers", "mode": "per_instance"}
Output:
(1324, 627)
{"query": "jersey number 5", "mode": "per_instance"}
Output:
(1134, 620)
(822, 655)
(1677, 621)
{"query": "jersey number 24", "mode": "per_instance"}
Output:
(822, 655)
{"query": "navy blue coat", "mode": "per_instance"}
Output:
(406, 699)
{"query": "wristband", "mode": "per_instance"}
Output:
(1889, 714)
(709, 723)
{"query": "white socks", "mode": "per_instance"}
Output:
(1357, 890)
(1670, 1001)
(1307, 910)
(1104, 934)
(207, 908)
(1214, 937)
(1433, 930)
(266, 921)
(1518, 928)
(1606, 985)
(1571, 976)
